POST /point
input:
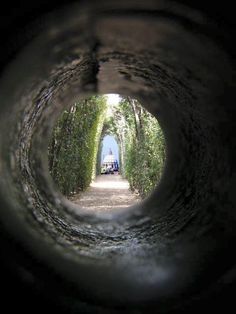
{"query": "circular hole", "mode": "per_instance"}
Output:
(159, 255)
(106, 152)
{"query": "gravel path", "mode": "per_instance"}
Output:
(106, 193)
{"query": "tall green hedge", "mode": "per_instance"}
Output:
(74, 144)
(141, 142)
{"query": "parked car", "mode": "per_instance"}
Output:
(111, 171)
(107, 170)
(103, 170)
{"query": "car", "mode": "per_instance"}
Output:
(103, 170)
(107, 170)
(110, 170)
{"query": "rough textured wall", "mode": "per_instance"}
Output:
(174, 250)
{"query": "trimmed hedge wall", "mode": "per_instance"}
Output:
(141, 142)
(74, 144)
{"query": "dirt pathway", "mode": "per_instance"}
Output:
(106, 193)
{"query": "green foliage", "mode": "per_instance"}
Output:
(74, 144)
(141, 143)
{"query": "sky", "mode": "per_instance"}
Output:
(109, 142)
(112, 99)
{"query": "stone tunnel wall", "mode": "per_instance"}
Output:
(177, 246)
